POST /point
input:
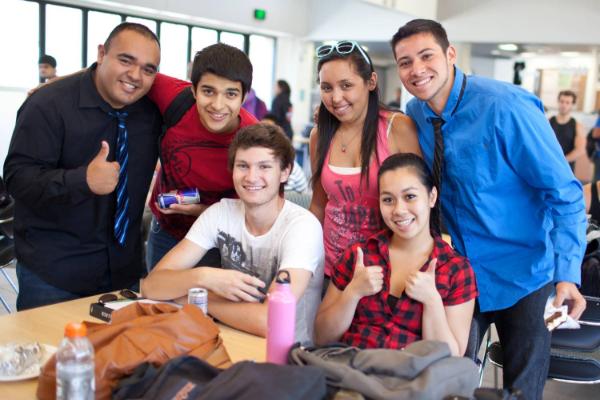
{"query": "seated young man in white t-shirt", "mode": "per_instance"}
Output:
(257, 235)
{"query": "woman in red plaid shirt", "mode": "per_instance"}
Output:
(404, 283)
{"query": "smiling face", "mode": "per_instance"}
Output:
(344, 92)
(126, 70)
(218, 101)
(405, 203)
(47, 71)
(425, 70)
(257, 176)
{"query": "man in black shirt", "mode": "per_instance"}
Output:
(569, 132)
(61, 169)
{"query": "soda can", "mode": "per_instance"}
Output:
(183, 196)
(199, 297)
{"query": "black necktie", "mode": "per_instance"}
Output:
(438, 163)
(122, 206)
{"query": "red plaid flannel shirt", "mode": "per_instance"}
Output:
(375, 324)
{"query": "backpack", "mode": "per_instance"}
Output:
(188, 377)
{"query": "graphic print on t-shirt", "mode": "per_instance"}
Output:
(179, 156)
(260, 262)
(352, 219)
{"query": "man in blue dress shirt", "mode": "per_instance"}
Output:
(509, 198)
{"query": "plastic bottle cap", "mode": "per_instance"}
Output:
(75, 329)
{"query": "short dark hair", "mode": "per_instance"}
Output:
(264, 135)
(225, 61)
(568, 93)
(47, 59)
(416, 164)
(417, 26)
(130, 26)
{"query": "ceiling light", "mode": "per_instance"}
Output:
(508, 47)
(569, 53)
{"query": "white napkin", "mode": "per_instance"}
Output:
(569, 322)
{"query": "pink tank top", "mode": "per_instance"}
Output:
(352, 210)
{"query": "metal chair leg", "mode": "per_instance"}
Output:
(5, 304)
(10, 281)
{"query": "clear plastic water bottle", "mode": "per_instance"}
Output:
(281, 319)
(75, 365)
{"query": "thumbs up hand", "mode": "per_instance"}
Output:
(420, 286)
(366, 281)
(102, 176)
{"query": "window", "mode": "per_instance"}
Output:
(99, 27)
(233, 39)
(143, 21)
(19, 45)
(201, 38)
(63, 37)
(173, 44)
(262, 53)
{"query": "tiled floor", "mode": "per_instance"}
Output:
(552, 391)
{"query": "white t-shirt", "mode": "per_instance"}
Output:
(294, 241)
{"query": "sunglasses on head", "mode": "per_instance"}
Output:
(125, 294)
(342, 47)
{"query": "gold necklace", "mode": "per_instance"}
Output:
(344, 146)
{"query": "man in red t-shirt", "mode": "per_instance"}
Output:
(194, 150)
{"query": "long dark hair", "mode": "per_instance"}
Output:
(284, 88)
(328, 124)
(417, 164)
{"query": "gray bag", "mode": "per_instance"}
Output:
(423, 370)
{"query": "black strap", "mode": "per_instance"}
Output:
(174, 112)
(178, 107)
(595, 203)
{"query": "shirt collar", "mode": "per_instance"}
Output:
(452, 99)
(441, 250)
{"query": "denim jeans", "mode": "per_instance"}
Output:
(161, 241)
(35, 292)
(524, 339)
(159, 244)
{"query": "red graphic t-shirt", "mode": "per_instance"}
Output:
(192, 157)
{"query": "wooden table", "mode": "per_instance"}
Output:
(46, 325)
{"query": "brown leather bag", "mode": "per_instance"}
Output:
(140, 333)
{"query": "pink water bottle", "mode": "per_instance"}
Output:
(281, 320)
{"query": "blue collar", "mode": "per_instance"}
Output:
(453, 99)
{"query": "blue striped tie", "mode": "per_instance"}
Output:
(122, 157)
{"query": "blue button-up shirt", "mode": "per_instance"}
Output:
(510, 201)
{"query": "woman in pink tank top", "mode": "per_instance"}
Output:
(353, 136)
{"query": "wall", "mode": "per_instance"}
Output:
(338, 20)
(283, 16)
(483, 66)
(582, 62)
(521, 21)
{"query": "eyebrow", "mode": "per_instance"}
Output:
(418, 53)
(403, 191)
(233, 89)
(261, 162)
(134, 59)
